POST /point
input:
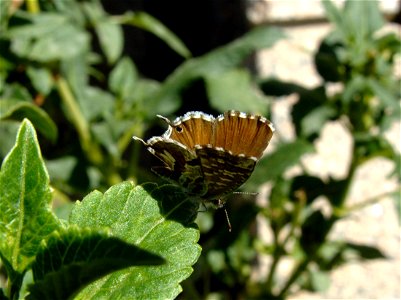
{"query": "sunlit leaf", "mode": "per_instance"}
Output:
(26, 217)
(159, 220)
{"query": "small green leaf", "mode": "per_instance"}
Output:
(275, 87)
(26, 217)
(61, 169)
(151, 24)
(364, 252)
(103, 133)
(123, 78)
(310, 186)
(309, 101)
(74, 257)
(96, 103)
(274, 165)
(314, 231)
(320, 280)
(159, 220)
(111, 39)
(334, 15)
(18, 110)
(313, 121)
(387, 98)
(235, 90)
(326, 61)
(41, 79)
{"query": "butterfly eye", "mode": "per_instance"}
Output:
(178, 129)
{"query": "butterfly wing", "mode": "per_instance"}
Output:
(180, 165)
(223, 172)
(242, 134)
(194, 128)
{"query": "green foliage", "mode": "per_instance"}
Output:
(354, 55)
(140, 241)
(26, 217)
(142, 226)
(74, 257)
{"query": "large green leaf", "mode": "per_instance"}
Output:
(157, 219)
(74, 257)
(214, 63)
(26, 217)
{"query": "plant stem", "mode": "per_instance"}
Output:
(33, 6)
(91, 149)
(346, 210)
(276, 259)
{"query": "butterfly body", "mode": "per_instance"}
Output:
(210, 157)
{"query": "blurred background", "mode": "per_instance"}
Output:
(325, 222)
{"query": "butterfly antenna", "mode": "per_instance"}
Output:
(246, 193)
(164, 119)
(139, 139)
(228, 220)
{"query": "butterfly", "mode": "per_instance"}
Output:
(210, 157)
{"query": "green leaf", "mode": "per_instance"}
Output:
(16, 91)
(213, 63)
(310, 186)
(5, 7)
(333, 253)
(123, 78)
(234, 89)
(18, 110)
(314, 231)
(313, 122)
(76, 71)
(364, 252)
(41, 79)
(368, 146)
(327, 62)
(109, 33)
(26, 217)
(334, 15)
(388, 99)
(362, 18)
(44, 43)
(111, 39)
(275, 87)
(157, 219)
(8, 133)
(104, 134)
(96, 103)
(151, 24)
(320, 280)
(308, 107)
(74, 257)
(61, 169)
(274, 165)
